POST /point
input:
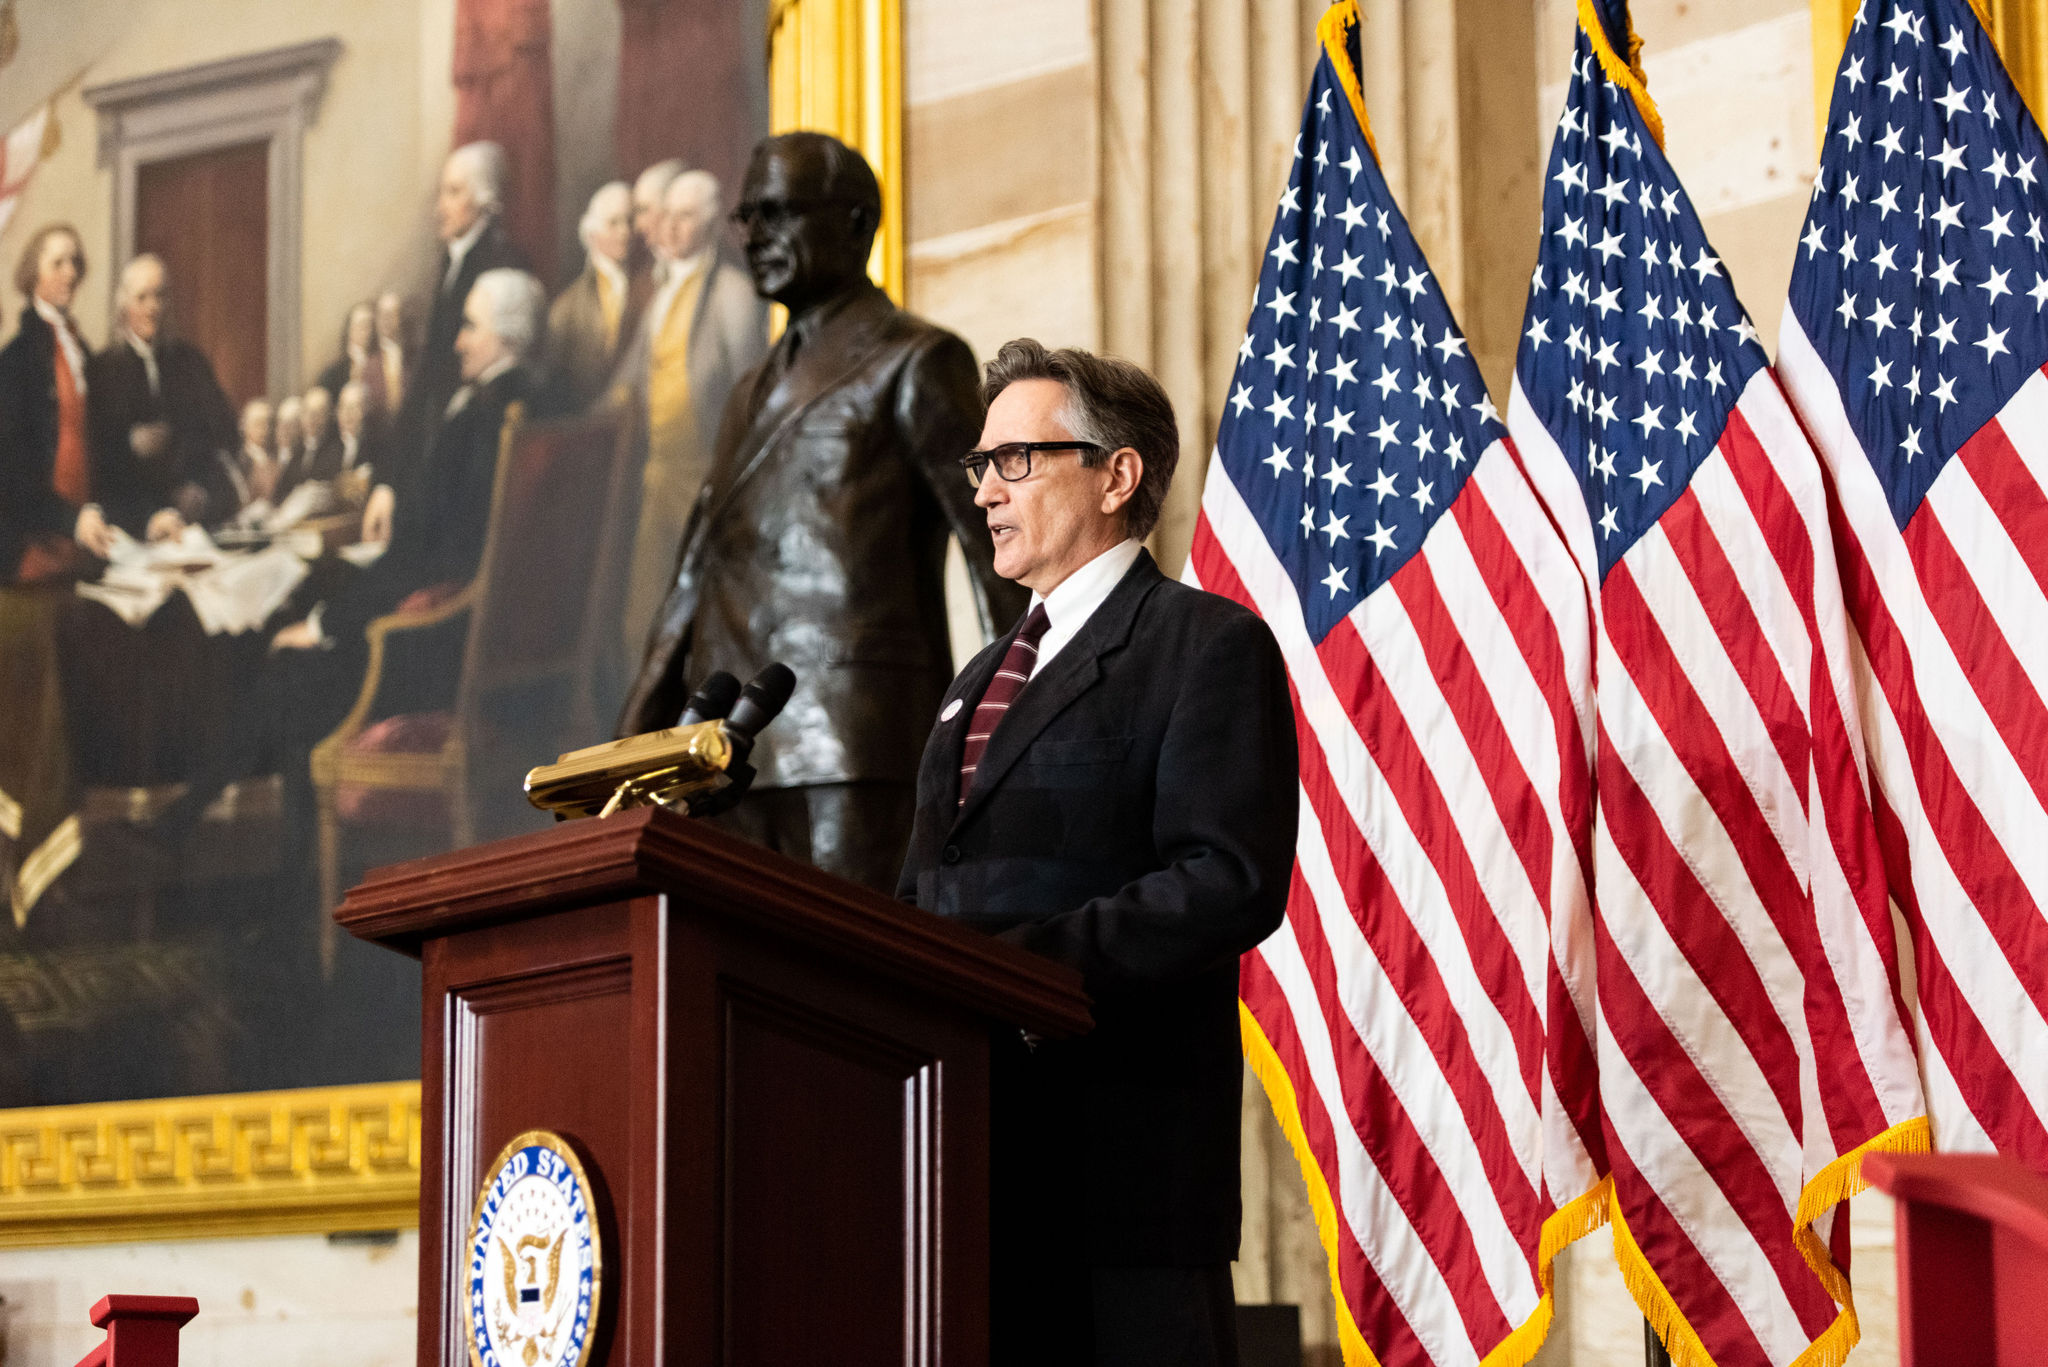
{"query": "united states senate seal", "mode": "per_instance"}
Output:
(535, 1265)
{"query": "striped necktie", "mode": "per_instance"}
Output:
(1003, 689)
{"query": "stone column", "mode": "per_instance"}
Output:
(1200, 105)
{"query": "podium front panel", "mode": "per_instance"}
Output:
(824, 1135)
(776, 1083)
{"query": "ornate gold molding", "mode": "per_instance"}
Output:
(836, 66)
(2019, 28)
(316, 1160)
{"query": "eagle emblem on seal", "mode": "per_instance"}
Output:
(533, 1258)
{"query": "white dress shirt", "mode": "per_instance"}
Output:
(1074, 599)
(675, 276)
(459, 248)
(148, 355)
(68, 344)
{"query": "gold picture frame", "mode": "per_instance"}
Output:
(836, 66)
(310, 1160)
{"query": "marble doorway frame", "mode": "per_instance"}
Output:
(271, 97)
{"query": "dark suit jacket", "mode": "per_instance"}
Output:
(29, 507)
(443, 510)
(437, 374)
(820, 540)
(1134, 817)
(128, 487)
(322, 463)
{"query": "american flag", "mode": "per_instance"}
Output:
(25, 147)
(1750, 1036)
(1913, 347)
(1422, 1021)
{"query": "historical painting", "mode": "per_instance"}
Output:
(354, 394)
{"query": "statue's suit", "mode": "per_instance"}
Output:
(820, 540)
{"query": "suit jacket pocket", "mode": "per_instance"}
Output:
(1094, 750)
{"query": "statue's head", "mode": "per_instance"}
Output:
(810, 206)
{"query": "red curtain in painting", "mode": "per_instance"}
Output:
(504, 93)
(693, 83)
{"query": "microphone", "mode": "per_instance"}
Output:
(698, 767)
(760, 703)
(712, 700)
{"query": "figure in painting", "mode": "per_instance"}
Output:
(47, 508)
(820, 538)
(466, 211)
(394, 355)
(597, 310)
(158, 417)
(360, 361)
(434, 522)
(703, 329)
(252, 473)
(359, 449)
(648, 188)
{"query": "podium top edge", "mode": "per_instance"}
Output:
(649, 851)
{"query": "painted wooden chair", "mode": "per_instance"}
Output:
(531, 629)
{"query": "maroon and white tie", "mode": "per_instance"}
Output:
(1003, 689)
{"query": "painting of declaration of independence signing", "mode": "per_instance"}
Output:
(331, 521)
(1152, 683)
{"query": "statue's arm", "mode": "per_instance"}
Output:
(939, 412)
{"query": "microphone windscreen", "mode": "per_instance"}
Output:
(712, 700)
(761, 702)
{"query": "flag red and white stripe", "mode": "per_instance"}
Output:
(1437, 947)
(1939, 478)
(24, 148)
(1423, 1019)
(1951, 652)
(1751, 1037)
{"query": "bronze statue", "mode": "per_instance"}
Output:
(820, 536)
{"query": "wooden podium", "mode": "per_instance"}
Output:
(777, 1081)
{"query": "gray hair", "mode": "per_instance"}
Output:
(653, 183)
(609, 191)
(483, 165)
(516, 305)
(702, 186)
(124, 292)
(1111, 403)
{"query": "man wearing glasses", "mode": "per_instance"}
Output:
(1112, 785)
(819, 537)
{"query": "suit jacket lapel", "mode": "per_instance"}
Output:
(1072, 672)
(839, 348)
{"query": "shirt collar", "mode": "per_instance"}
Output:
(609, 269)
(1074, 599)
(52, 315)
(142, 348)
(459, 248)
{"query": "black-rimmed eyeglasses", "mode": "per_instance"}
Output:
(1012, 460)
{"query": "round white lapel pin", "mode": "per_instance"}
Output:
(952, 710)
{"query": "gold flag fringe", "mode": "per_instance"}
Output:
(1272, 1075)
(1627, 73)
(1331, 32)
(1576, 1219)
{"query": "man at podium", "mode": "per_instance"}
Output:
(1113, 785)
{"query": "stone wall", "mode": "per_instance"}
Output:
(300, 1299)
